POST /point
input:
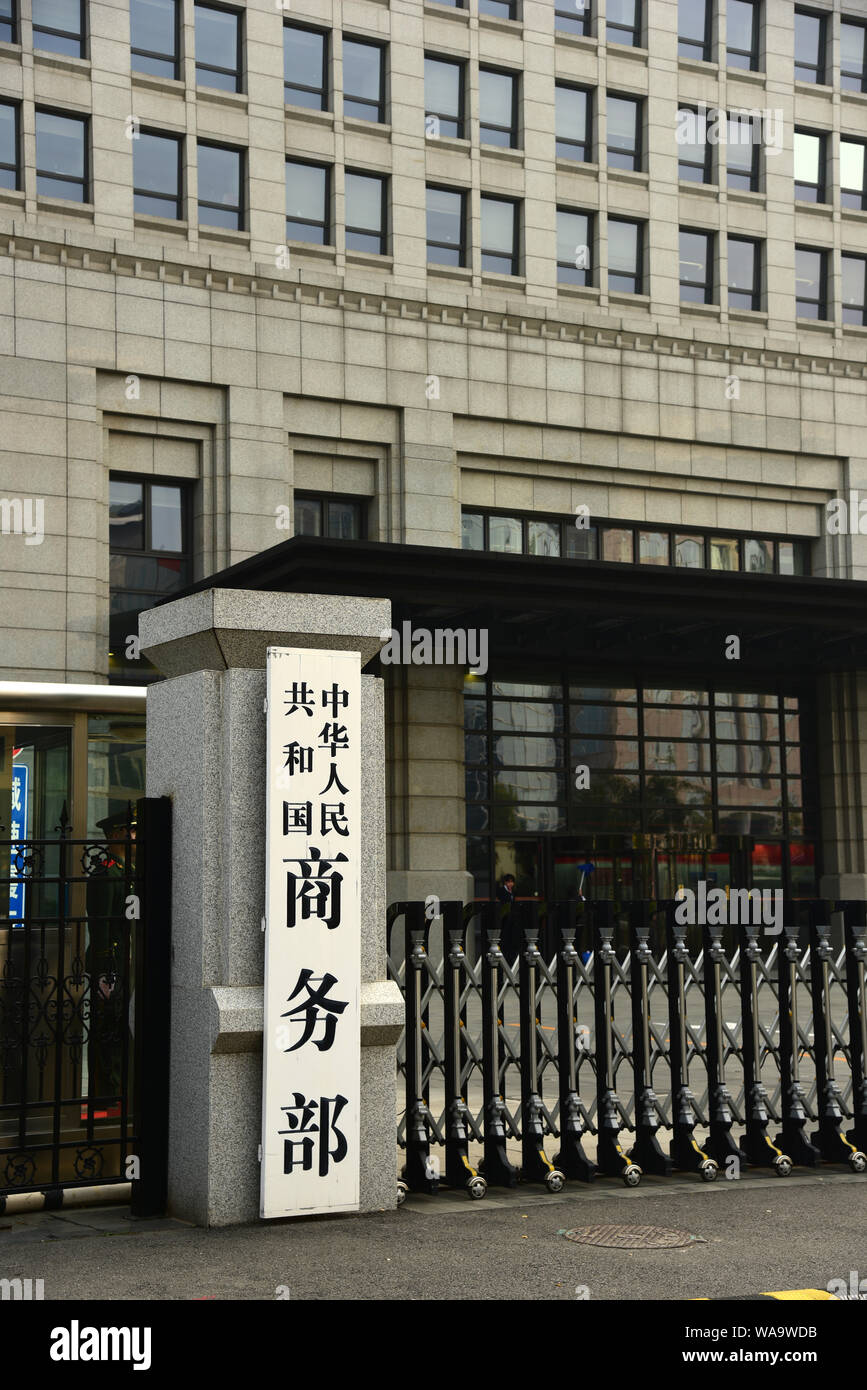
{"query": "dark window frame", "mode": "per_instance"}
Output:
(858, 78)
(707, 41)
(589, 273)
(237, 73)
(820, 67)
(323, 90)
(463, 245)
(755, 171)
(81, 36)
(85, 181)
(242, 186)
(861, 308)
(511, 130)
(755, 292)
(327, 224)
(822, 301)
(461, 119)
(707, 165)
(587, 144)
(639, 275)
(163, 197)
(323, 498)
(583, 22)
(510, 5)
(380, 103)
(753, 52)
(707, 284)
(635, 29)
(173, 58)
(143, 669)
(383, 212)
(18, 167)
(515, 258)
(637, 153)
(673, 529)
(13, 23)
(822, 186)
(859, 193)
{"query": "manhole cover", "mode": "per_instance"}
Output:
(631, 1237)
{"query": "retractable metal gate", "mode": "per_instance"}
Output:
(84, 989)
(739, 1045)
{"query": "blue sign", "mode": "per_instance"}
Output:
(18, 831)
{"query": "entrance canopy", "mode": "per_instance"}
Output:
(541, 607)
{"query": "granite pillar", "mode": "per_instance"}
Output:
(206, 751)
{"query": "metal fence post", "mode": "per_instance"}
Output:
(685, 1151)
(611, 1157)
(856, 993)
(792, 1138)
(571, 1159)
(535, 1164)
(498, 1171)
(153, 964)
(646, 1150)
(834, 1147)
(755, 1143)
(419, 1173)
(720, 1145)
(459, 1170)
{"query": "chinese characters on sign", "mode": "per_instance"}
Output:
(18, 831)
(312, 1044)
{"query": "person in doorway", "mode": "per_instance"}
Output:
(509, 943)
(108, 962)
(506, 889)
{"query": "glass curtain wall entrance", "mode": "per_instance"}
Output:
(594, 787)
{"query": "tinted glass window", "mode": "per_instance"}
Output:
(443, 84)
(58, 27)
(154, 37)
(8, 145)
(496, 108)
(362, 81)
(623, 132)
(220, 186)
(218, 48)
(364, 213)
(306, 202)
(445, 226)
(156, 174)
(60, 156)
(304, 68)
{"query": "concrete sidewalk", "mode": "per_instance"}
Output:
(756, 1234)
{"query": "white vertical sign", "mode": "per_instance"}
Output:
(312, 1040)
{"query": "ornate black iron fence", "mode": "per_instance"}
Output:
(74, 980)
(577, 1019)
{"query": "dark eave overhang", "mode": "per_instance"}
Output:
(582, 610)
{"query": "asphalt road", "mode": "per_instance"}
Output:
(756, 1234)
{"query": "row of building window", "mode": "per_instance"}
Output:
(630, 544)
(62, 172)
(59, 26)
(624, 21)
(739, 140)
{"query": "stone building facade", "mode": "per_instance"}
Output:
(256, 364)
